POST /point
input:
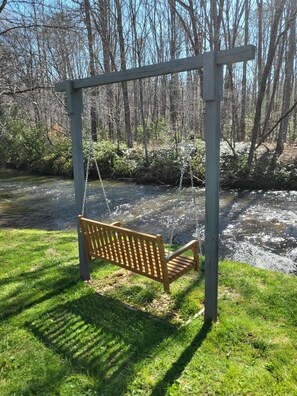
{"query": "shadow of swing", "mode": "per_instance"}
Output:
(102, 337)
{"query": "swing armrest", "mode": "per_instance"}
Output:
(116, 223)
(192, 245)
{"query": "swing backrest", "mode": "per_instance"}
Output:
(134, 251)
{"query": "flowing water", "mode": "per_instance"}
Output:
(257, 227)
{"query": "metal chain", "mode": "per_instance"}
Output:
(197, 231)
(86, 179)
(102, 187)
(91, 154)
(174, 222)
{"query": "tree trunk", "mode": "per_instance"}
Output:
(92, 70)
(263, 82)
(123, 67)
(242, 125)
(173, 85)
(288, 83)
(108, 61)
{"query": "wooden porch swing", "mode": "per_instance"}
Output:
(137, 252)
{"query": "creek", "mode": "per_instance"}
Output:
(256, 227)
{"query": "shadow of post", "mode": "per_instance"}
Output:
(178, 367)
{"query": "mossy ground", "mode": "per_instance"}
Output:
(121, 335)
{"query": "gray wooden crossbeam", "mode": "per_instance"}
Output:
(232, 55)
(212, 64)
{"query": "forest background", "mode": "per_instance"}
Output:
(143, 129)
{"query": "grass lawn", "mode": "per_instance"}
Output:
(119, 334)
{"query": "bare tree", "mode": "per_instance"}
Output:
(274, 38)
(92, 70)
(123, 67)
(138, 49)
(2, 5)
(289, 77)
(242, 123)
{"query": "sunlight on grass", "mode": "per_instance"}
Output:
(120, 334)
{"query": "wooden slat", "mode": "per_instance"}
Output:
(107, 244)
(179, 266)
(110, 236)
(90, 232)
(144, 258)
(138, 253)
(163, 263)
(132, 252)
(128, 256)
(122, 249)
(113, 245)
(157, 260)
(149, 255)
(95, 237)
(101, 241)
(116, 244)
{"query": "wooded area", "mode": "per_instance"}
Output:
(43, 42)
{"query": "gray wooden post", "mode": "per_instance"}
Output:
(212, 94)
(75, 108)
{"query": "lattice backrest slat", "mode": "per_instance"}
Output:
(137, 248)
(143, 255)
(127, 251)
(116, 246)
(96, 245)
(107, 243)
(122, 248)
(155, 254)
(133, 246)
(101, 242)
(147, 245)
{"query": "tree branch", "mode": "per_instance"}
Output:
(36, 26)
(275, 125)
(11, 93)
(4, 2)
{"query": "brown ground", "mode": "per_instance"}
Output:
(288, 157)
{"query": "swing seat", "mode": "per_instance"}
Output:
(137, 252)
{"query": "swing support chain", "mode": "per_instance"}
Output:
(91, 156)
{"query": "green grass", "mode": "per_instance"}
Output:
(121, 335)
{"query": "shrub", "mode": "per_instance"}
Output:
(163, 166)
(22, 145)
(105, 153)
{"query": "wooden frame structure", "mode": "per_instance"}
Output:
(212, 64)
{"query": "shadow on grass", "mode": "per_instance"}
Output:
(193, 285)
(186, 291)
(101, 337)
(30, 288)
(178, 367)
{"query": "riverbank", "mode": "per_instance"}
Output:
(164, 164)
(115, 335)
